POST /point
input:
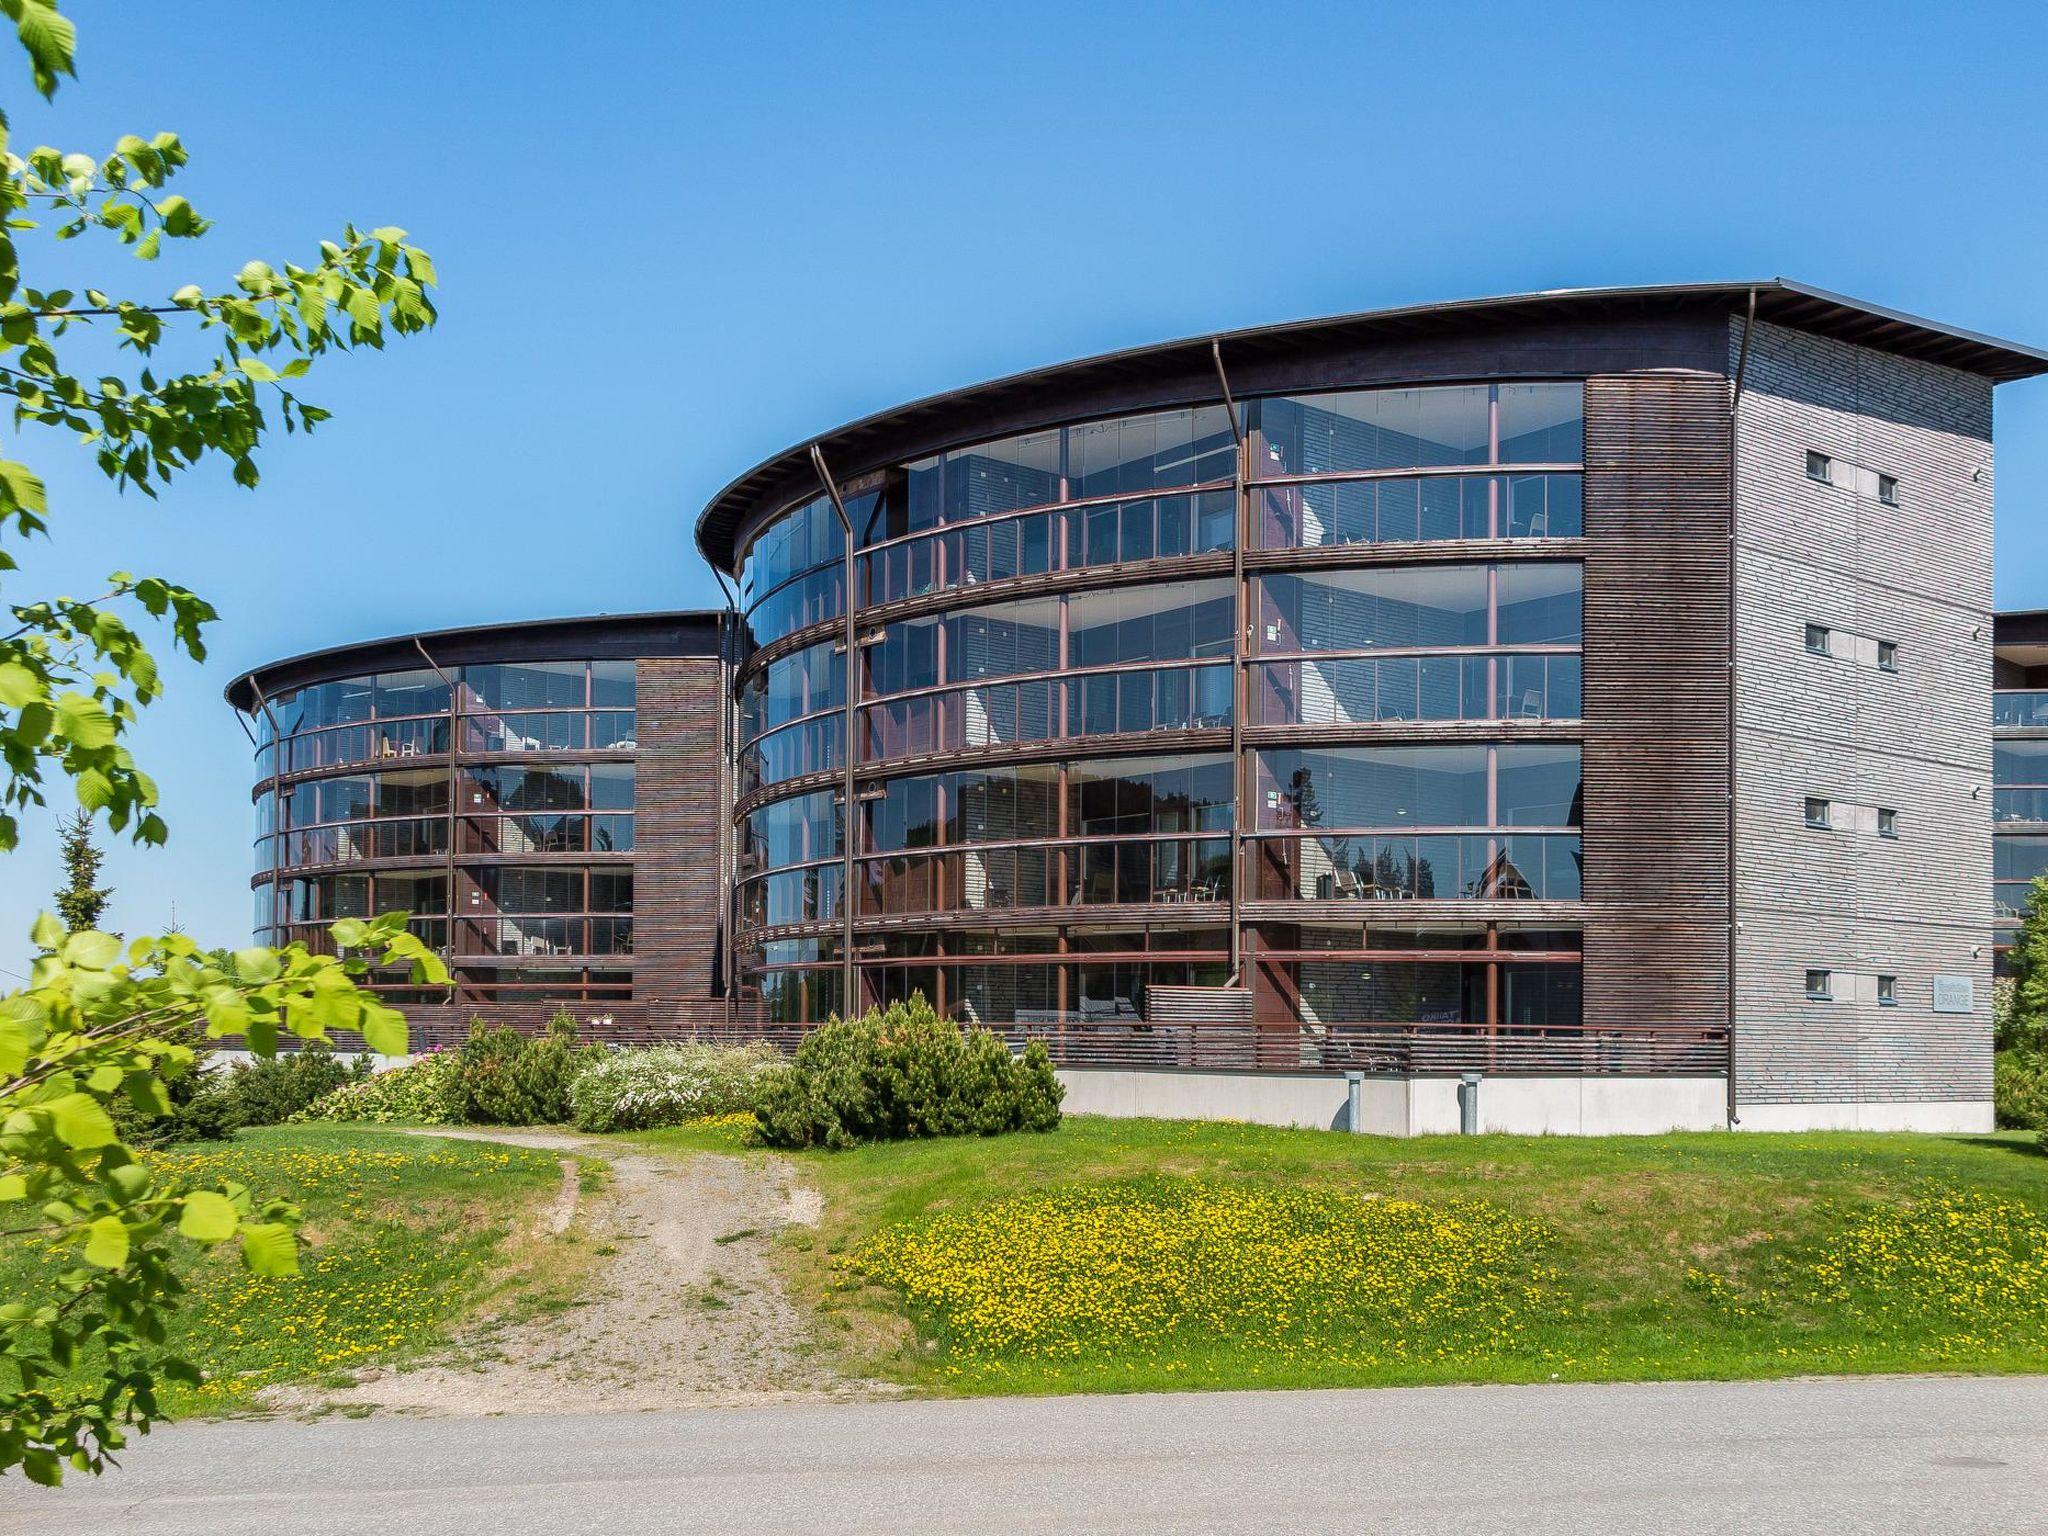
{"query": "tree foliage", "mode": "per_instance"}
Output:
(98, 1023)
(74, 671)
(2024, 1023)
(198, 374)
(81, 900)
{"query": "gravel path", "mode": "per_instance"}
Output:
(686, 1312)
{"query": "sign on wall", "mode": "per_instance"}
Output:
(1955, 994)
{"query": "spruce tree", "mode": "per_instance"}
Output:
(80, 902)
(2026, 1024)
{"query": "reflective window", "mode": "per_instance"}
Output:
(1458, 426)
(793, 831)
(1429, 606)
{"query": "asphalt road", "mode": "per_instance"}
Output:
(1908, 1455)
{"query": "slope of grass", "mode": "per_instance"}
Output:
(1140, 1254)
(403, 1236)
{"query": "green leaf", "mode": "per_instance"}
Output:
(48, 933)
(256, 965)
(208, 1217)
(80, 1121)
(84, 720)
(49, 38)
(383, 1029)
(12, 1187)
(92, 951)
(106, 1243)
(268, 1248)
(19, 685)
(350, 932)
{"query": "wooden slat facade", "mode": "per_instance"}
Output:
(1657, 699)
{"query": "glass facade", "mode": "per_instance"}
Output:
(494, 802)
(1062, 793)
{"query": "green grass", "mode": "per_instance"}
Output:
(403, 1237)
(1695, 1256)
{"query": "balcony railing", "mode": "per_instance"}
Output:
(2026, 707)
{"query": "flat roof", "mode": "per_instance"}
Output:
(852, 449)
(685, 632)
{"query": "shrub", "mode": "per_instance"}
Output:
(271, 1091)
(506, 1078)
(2019, 1088)
(667, 1085)
(202, 1104)
(904, 1072)
(419, 1093)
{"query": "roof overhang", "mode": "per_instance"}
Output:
(598, 637)
(1170, 368)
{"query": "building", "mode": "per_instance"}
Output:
(1563, 688)
(2019, 794)
(548, 799)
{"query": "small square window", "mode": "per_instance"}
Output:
(1817, 640)
(1820, 467)
(1888, 991)
(1887, 822)
(1817, 812)
(1887, 655)
(1820, 985)
(1888, 490)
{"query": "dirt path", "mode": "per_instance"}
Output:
(683, 1310)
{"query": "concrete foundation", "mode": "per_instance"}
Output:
(1955, 1116)
(1420, 1106)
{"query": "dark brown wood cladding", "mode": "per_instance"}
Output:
(677, 891)
(1657, 699)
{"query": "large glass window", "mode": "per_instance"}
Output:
(805, 682)
(1370, 788)
(793, 831)
(1440, 427)
(1166, 622)
(1421, 607)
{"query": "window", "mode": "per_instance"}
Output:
(1817, 640)
(1817, 813)
(1887, 822)
(1820, 985)
(1887, 655)
(1888, 991)
(1820, 467)
(1888, 490)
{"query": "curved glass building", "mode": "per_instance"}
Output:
(492, 783)
(1459, 688)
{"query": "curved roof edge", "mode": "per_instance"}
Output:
(684, 632)
(1780, 300)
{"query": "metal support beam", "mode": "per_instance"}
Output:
(454, 810)
(1240, 689)
(846, 815)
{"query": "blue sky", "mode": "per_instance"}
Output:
(674, 238)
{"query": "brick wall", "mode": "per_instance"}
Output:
(1838, 727)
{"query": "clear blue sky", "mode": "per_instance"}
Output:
(675, 238)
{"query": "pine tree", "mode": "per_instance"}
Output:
(80, 903)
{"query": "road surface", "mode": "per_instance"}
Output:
(1848, 1456)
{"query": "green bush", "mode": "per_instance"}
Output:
(2019, 1087)
(202, 1103)
(270, 1092)
(643, 1090)
(419, 1093)
(506, 1078)
(904, 1072)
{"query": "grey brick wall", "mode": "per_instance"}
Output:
(1837, 726)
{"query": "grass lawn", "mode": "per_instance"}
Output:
(1122, 1254)
(402, 1237)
